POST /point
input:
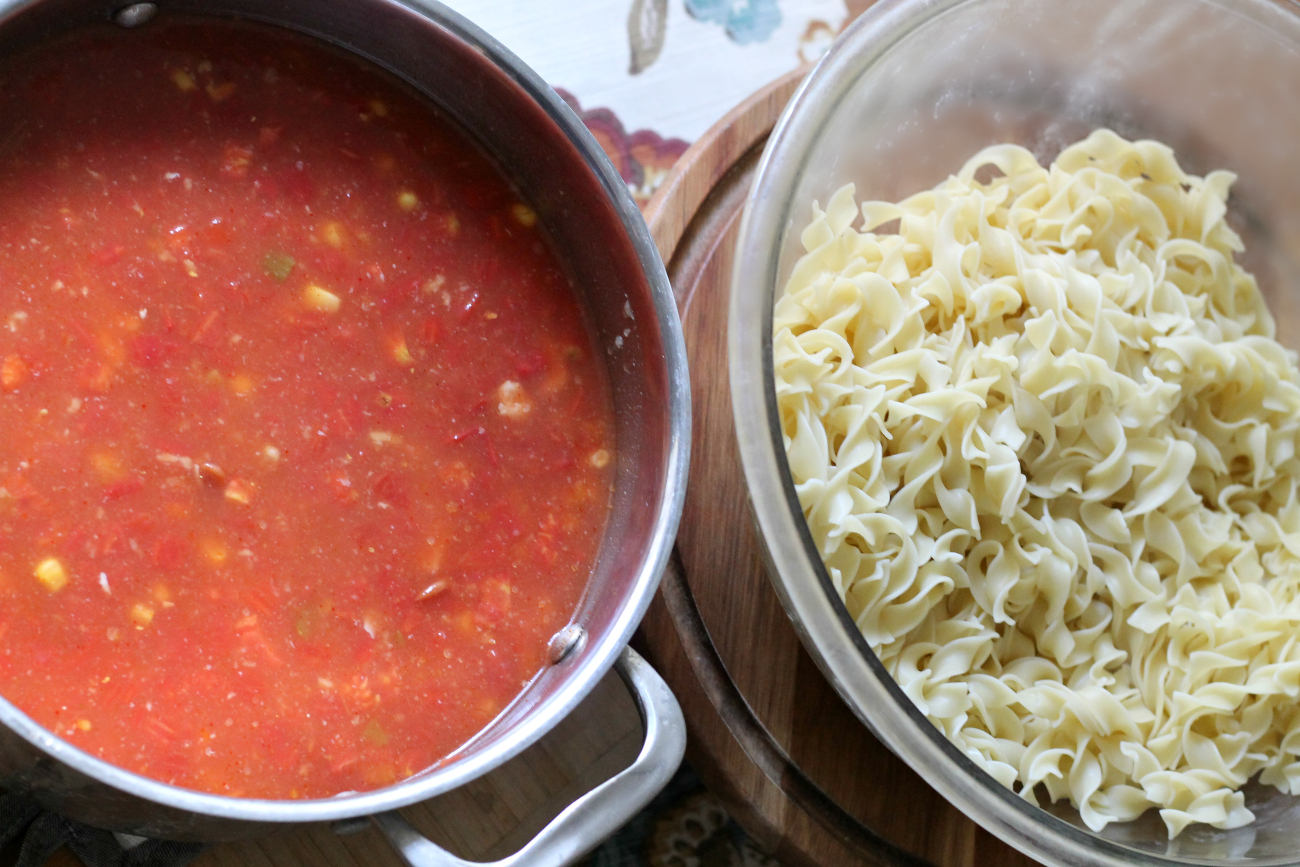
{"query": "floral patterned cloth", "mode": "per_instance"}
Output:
(746, 22)
(643, 158)
(666, 70)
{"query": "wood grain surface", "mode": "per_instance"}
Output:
(767, 732)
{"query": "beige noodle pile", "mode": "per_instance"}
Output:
(1047, 444)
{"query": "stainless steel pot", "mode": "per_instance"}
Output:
(601, 237)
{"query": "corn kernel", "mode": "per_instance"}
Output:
(599, 459)
(239, 491)
(108, 467)
(111, 345)
(401, 354)
(220, 92)
(332, 232)
(407, 200)
(214, 551)
(378, 109)
(141, 615)
(320, 300)
(184, 81)
(526, 216)
(241, 384)
(51, 573)
(83, 724)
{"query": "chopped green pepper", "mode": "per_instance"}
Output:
(375, 734)
(277, 265)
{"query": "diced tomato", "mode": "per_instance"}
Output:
(204, 333)
(494, 602)
(119, 489)
(109, 255)
(530, 363)
(96, 377)
(346, 425)
(150, 350)
(342, 488)
(466, 305)
(235, 160)
(79, 328)
(270, 190)
(298, 187)
(392, 489)
(169, 553)
(485, 270)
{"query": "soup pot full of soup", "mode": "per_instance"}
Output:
(345, 419)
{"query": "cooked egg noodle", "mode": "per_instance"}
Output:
(1046, 442)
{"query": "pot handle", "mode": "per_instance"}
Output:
(599, 813)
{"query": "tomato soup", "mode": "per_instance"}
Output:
(305, 446)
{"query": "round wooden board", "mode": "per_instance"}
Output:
(767, 732)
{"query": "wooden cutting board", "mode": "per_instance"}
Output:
(767, 732)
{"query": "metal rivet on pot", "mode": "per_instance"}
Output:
(565, 642)
(135, 14)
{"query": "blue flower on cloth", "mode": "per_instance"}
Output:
(745, 21)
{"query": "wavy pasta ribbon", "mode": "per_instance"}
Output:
(1048, 445)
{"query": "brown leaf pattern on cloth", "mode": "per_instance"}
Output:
(647, 23)
(642, 158)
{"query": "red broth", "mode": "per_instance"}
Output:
(307, 450)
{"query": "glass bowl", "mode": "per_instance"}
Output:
(904, 97)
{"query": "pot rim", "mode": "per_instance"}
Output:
(603, 649)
